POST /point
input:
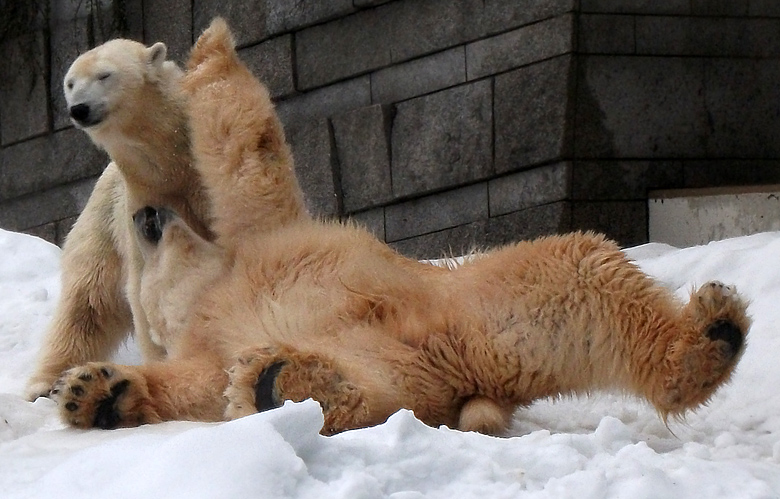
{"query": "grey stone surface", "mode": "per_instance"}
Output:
(533, 114)
(325, 102)
(271, 62)
(606, 34)
(372, 220)
(443, 139)
(501, 15)
(368, 3)
(169, 21)
(769, 8)
(624, 180)
(362, 143)
(703, 36)
(247, 18)
(41, 208)
(436, 212)
(720, 7)
(24, 109)
(742, 108)
(637, 6)
(640, 107)
(288, 15)
(47, 232)
(538, 186)
(623, 221)
(420, 76)
(714, 173)
(520, 47)
(44, 162)
(315, 159)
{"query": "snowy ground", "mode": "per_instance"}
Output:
(602, 446)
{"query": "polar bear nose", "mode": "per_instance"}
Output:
(79, 112)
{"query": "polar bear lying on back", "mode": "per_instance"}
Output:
(128, 99)
(306, 309)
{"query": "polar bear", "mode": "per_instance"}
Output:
(325, 310)
(127, 97)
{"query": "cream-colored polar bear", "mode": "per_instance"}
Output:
(128, 99)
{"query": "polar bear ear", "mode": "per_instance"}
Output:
(155, 55)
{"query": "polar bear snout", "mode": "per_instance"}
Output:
(84, 115)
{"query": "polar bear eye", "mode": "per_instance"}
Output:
(104, 76)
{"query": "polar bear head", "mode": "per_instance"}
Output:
(116, 83)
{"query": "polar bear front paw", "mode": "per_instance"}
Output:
(102, 395)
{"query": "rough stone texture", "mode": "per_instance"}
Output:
(315, 160)
(542, 185)
(42, 207)
(520, 47)
(368, 3)
(169, 21)
(488, 233)
(623, 221)
(501, 15)
(436, 212)
(532, 120)
(68, 40)
(288, 15)
(371, 220)
(325, 102)
(606, 34)
(765, 8)
(443, 139)
(363, 150)
(271, 62)
(648, 107)
(624, 180)
(420, 76)
(637, 6)
(720, 7)
(45, 162)
(713, 173)
(247, 18)
(743, 108)
(722, 37)
(23, 101)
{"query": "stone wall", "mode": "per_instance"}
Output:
(448, 125)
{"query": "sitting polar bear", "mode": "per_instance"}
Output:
(324, 310)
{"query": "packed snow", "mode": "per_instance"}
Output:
(590, 447)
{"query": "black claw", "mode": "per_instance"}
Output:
(71, 406)
(150, 222)
(106, 415)
(77, 390)
(105, 372)
(266, 397)
(85, 377)
(727, 331)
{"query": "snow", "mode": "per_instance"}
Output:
(589, 447)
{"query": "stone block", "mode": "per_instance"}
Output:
(325, 102)
(315, 162)
(636, 6)
(363, 4)
(624, 180)
(43, 207)
(68, 40)
(372, 220)
(289, 15)
(520, 47)
(533, 114)
(436, 212)
(443, 139)
(648, 107)
(768, 8)
(742, 108)
(47, 232)
(456, 241)
(362, 144)
(526, 189)
(45, 162)
(606, 34)
(703, 36)
(720, 7)
(247, 19)
(169, 21)
(24, 108)
(271, 62)
(500, 15)
(718, 173)
(623, 221)
(418, 77)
